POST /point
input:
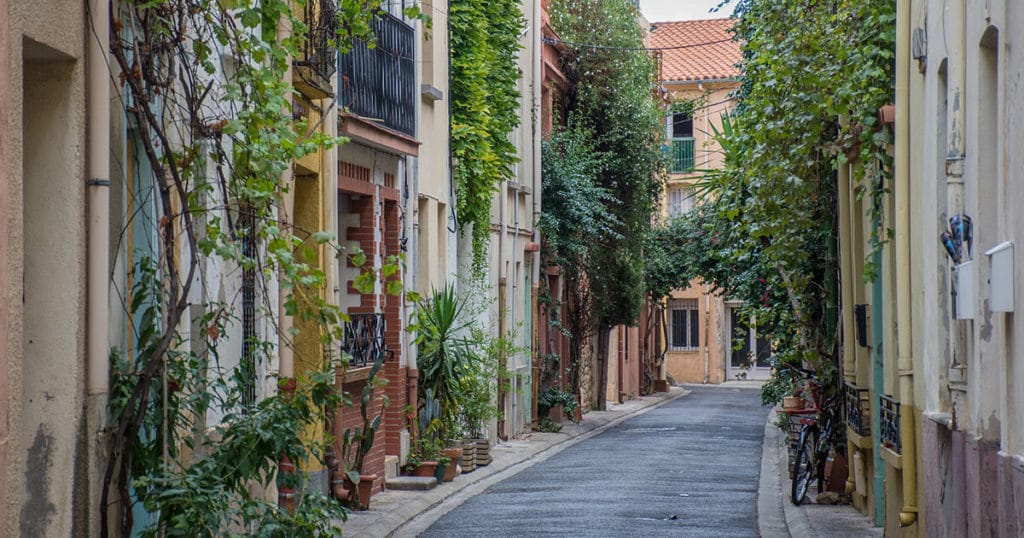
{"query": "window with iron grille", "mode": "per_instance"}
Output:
(685, 319)
(680, 201)
(682, 125)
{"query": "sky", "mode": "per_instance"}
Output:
(681, 10)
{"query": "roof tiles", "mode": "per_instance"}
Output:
(707, 60)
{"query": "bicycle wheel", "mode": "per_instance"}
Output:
(805, 467)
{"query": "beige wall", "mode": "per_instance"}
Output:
(5, 296)
(706, 364)
(714, 101)
(46, 272)
(435, 244)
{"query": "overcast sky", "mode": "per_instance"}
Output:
(682, 10)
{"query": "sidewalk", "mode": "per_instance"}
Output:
(408, 513)
(778, 517)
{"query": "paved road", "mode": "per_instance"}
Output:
(688, 468)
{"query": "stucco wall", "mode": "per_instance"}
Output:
(45, 207)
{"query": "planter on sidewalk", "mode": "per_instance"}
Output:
(359, 494)
(454, 456)
(425, 468)
(468, 461)
(483, 451)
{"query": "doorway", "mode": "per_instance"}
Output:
(749, 354)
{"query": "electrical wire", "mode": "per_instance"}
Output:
(554, 41)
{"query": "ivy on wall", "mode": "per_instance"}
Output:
(484, 107)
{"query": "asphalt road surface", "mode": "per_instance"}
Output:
(687, 468)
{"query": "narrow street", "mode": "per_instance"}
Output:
(688, 468)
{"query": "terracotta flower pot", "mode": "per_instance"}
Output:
(364, 488)
(425, 468)
(792, 403)
(454, 456)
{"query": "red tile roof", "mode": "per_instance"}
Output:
(703, 62)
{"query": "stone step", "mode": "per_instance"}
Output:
(411, 483)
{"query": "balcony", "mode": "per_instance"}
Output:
(681, 155)
(379, 84)
(317, 62)
(858, 409)
(363, 339)
(889, 429)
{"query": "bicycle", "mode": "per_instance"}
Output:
(817, 437)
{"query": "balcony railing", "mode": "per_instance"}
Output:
(318, 60)
(889, 429)
(858, 409)
(379, 83)
(363, 339)
(681, 155)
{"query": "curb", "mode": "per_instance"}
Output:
(412, 517)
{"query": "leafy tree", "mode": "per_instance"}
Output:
(611, 96)
(815, 74)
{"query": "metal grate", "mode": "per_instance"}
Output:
(318, 52)
(858, 410)
(681, 155)
(247, 231)
(889, 429)
(379, 83)
(364, 339)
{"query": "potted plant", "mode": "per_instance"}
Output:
(357, 442)
(425, 452)
(555, 398)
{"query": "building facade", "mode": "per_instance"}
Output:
(932, 367)
(707, 340)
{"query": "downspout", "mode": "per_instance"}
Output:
(535, 138)
(98, 188)
(905, 354)
(707, 334)
(847, 280)
(98, 242)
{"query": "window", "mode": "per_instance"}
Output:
(682, 125)
(685, 319)
(680, 201)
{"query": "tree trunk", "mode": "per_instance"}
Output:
(603, 336)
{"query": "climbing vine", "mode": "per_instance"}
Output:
(206, 99)
(815, 75)
(485, 107)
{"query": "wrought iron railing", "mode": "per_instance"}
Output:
(318, 52)
(889, 429)
(681, 155)
(858, 409)
(363, 339)
(379, 83)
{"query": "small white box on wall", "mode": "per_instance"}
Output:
(963, 291)
(1000, 280)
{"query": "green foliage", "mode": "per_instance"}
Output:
(611, 99)
(207, 96)
(446, 352)
(357, 442)
(815, 75)
(554, 397)
(483, 78)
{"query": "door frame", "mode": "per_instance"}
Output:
(755, 372)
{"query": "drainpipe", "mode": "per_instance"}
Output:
(707, 334)
(847, 281)
(286, 357)
(904, 350)
(98, 183)
(98, 242)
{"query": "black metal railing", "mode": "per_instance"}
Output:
(318, 51)
(858, 409)
(363, 339)
(889, 429)
(379, 83)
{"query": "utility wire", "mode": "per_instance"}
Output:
(553, 41)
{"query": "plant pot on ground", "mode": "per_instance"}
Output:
(454, 456)
(354, 486)
(423, 468)
(468, 462)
